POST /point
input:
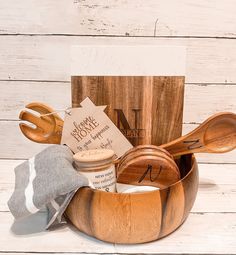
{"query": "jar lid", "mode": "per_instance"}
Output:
(93, 155)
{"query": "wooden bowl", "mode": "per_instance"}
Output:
(136, 217)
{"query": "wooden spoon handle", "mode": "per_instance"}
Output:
(184, 145)
(190, 143)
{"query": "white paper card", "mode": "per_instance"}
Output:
(88, 127)
(127, 60)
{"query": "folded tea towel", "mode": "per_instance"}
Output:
(48, 179)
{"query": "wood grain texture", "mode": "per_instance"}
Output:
(132, 18)
(132, 219)
(47, 58)
(147, 165)
(136, 104)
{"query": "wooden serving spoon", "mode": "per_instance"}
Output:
(48, 125)
(217, 134)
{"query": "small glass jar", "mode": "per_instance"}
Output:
(97, 165)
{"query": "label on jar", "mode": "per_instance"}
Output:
(103, 180)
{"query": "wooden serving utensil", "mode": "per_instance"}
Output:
(217, 134)
(48, 125)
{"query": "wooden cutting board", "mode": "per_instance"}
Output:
(147, 109)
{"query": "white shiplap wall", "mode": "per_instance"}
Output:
(35, 37)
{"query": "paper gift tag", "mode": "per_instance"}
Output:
(88, 127)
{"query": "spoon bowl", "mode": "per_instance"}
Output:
(220, 136)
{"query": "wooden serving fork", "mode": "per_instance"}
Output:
(48, 125)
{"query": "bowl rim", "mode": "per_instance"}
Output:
(193, 166)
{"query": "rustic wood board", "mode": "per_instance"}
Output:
(147, 109)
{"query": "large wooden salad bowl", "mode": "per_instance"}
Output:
(136, 217)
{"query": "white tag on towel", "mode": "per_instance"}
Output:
(88, 127)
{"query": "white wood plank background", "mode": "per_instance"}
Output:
(127, 17)
(35, 37)
(47, 57)
(207, 231)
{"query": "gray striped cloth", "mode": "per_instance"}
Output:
(48, 179)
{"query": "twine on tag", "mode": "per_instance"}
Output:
(67, 111)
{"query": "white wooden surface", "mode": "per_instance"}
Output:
(35, 37)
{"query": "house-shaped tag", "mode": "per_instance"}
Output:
(88, 127)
